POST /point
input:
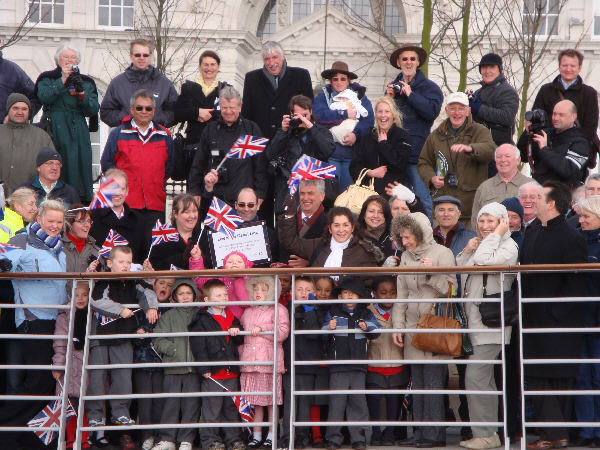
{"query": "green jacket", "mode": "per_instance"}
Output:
(470, 168)
(175, 349)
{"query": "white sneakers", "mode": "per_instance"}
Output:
(185, 446)
(165, 445)
(148, 444)
(482, 442)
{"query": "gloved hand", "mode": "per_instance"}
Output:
(5, 265)
(475, 104)
(390, 261)
(289, 206)
(401, 192)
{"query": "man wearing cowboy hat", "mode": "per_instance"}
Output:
(340, 80)
(420, 100)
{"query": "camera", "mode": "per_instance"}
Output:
(397, 88)
(452, 179)
(294, 122)
(538, 119)
(215, 160)
(74, 82)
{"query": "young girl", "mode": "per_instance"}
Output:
(236, 287)
(259, 347)
(323, 288)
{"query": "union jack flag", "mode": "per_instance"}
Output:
(307, 168)
(4, 248)
(163, 233)
(50, 417)
(222, 218)
(106, 191)
(105, 320)
(247, 146)
(244, 407)
(111, 241)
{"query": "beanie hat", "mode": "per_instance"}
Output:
(494, 209)
(16, 97)
(247, 262)
(491, 59)
(47, 154)
(591, 203)
(513, 204)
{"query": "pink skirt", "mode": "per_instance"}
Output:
(261, 382)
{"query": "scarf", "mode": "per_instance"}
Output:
(337, 252)
(271, 78)
(375, 233)
(78, 242)
(207, 88)
(54, 244)
(384, 313)
(79, 328)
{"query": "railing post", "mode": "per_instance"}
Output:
(521, 366)
(292, 363)
(275, 418)
(503, 358)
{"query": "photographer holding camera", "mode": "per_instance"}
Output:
(299, 135)
(455, 156)
(559, 152)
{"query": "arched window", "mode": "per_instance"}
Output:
(268, 21)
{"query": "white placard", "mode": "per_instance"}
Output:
(251, 241)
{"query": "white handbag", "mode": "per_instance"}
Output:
(356, 194)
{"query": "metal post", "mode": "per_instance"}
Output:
(503, 356)
(521, 366)
(275, 418)
(292, 338)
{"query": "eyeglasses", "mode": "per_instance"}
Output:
(453, 109)
(142, 108)
(245, 205)
(339, 79)
(53, 164)
(85, 222)
(409, 58)
(139, 55)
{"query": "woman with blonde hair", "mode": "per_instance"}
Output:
(385, 150)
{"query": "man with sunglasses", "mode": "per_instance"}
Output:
(139, 75)
(420, 100)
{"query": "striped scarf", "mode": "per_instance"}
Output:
(54, 244)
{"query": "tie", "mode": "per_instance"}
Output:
(276, 82)
(305, 219)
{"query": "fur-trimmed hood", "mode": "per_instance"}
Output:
(269, 281)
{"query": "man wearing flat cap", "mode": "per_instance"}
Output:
(20, 143)
(455, 156)
(420, 100)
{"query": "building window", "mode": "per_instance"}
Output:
(541, 17)
(597, 18)
(267, 22)
(115, 13)
(46, 11)
(394, 23)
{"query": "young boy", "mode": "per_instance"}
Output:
(111, 317)
(348, 316)
(216, 349)
(178, 379)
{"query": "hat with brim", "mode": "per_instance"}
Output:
(408, 47)
(338, 67)
(355, 285)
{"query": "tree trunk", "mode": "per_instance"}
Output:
(464, 46)
(426, 33)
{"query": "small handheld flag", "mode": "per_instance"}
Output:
(245, 146)
(222, 218)
(50, 417)
(163, 233)
(106, 191)
(307, 168)
(244, 407)
(113, 239)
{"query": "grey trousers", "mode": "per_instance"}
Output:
(302, 403)
(219, 409)
(430, 407)
(480, 377)
(189, 407)
(120, 379)
(355, 407)
(149, 409)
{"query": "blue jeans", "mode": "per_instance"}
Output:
(342, 172)
(419, 189)
(587, 407)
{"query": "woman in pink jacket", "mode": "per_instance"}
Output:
(260, 347)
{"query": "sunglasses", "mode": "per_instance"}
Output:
(246, 205)
(147, 108)
(139, 55)
(409, 58)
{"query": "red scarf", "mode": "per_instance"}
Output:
(79, 243)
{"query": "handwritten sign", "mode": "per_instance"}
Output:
(251, 240)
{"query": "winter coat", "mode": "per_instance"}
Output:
(330, 118)
(147, 163)
(266, 106)
(564, 158)
(34, 256)
(470, 168)
(426, 286)
(310, 230)
(173, 252)
(175, 348)
(128, 226)
(20, 144)
(214, 348)
(14, 79)
(555, 243)
(234, 174)
(383, 348)
(384, 243)
(60, 356)
(186, 108)
(260, 348)
(591, 310)
(351, 345)
(10, 224)
(307, 347)
(286, 147)
(63, 192)
(419, 110)
(115, 104)
(70, 131)
(493, 250)
(78, 262)
(143, 351)
(393, 152)
(461, 237)
(499, 106)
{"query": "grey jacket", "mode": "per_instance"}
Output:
(500, 103)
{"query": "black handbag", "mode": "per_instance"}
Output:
(183, 156)
(490, 312)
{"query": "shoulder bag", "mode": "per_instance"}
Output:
(356, 194)
(490, 312)
(183, 156)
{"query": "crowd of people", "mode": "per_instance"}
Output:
(453, 195)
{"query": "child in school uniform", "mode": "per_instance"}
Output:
(178, 379)
(348, 316)
(212, 350)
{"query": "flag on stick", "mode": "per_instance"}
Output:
(222, 218)
(307, 168)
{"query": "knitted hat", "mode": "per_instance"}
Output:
(494, 209)
(447, 199)
(247, 262)
(491, 59)
(47, 154)
(15, 97)
(513, 204)
(591, 203)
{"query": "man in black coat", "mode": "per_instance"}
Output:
(552, 242)
(560, 153)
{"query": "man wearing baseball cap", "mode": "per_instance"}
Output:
(455, 156)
